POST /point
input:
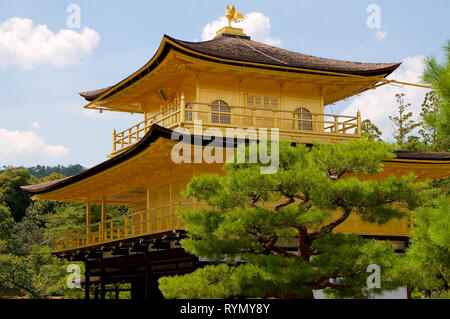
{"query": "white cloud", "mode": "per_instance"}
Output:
(36, 125)
(27, 148)
(378, 104)
(257, 26)
(380, 35)
(24, 44)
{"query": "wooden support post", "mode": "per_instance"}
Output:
(148, 215)
(358, 130)
(160, 212)
(114, 140)
(194, 174)
(170, 222)
(148, 270)
(133, 289)
(197, 98)
(145, 121)
(88, 222)
(320, 123)
(103, 223)
(182, 108)
(312, 122)
(102, 280)
(117, 291)
(87, 281)
(142, 217)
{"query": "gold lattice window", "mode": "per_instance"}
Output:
(220, 112)
(265, 101)
(304, 119)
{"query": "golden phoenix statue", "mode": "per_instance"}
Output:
(233, 15)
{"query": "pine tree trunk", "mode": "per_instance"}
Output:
(304, 251)
(304, 244)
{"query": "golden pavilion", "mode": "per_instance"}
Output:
(230, 81)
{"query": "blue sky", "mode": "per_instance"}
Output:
(41, 112)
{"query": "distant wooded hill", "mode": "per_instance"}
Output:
(42, 171)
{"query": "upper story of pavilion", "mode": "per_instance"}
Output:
(232, 81)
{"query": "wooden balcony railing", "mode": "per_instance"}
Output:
(163, 219)
(297, 122)
(146, 222)
(170, 118)
(289, 123)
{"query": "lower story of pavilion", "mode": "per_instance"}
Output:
(139, 248)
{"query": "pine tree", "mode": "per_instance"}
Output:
(429, 107)
(274, 235)
(403, 124)
(427, 261)
(438, 75)
(370, 130)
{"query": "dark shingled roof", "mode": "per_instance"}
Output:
(92, 95)
(430, 156)
(242, 51)
(156, 132)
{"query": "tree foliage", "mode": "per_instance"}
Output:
(403, 122)
(438, 75)
(251, 220)
(10, 193)
(41, 171)
(370, 130)
(6, 223)
(429, 107)
(26, 242)
(427, 262)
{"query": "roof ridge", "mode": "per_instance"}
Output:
(259, 51)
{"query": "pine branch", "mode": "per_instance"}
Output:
(286, 203)
(253, 201)
(329, 228)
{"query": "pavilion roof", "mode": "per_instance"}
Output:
(237, 50)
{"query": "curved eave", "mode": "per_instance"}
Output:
(100, 94)
(152, 135)
(157, 132)
(169, 43)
